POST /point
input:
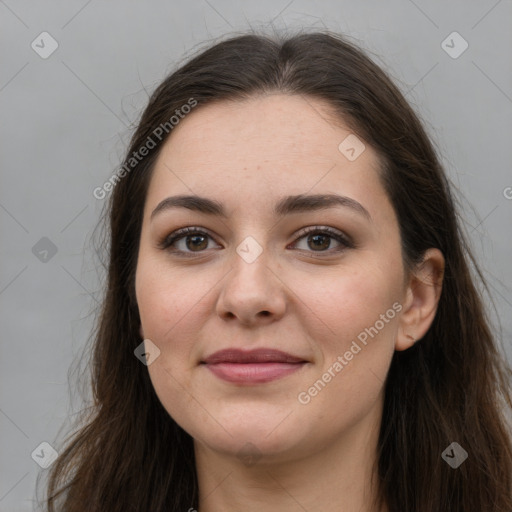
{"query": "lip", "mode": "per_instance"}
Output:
(252, 367)
(260, 355)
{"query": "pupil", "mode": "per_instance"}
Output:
(316, 237)
(194, 244)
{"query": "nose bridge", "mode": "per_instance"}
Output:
(251, 286)
(253, 231)
(251, 263)
(250, 250)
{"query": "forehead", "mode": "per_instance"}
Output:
(290, 127)
(264, 147)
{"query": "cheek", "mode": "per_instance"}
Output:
(167, 306)
(172, 306)
(153, 309)
(165, 299)
(353, 325)
(356, 345)
(347, 301)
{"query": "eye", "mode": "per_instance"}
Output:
(195, 240)
(320, 238)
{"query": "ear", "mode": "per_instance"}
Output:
(422, 298)
(141, 332)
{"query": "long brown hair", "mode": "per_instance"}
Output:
(452, 385)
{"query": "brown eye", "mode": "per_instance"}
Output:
(317, 241)
(186, 241)
(320, 240)
(194, 242)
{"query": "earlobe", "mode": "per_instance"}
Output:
(423, 294)
(141, 332)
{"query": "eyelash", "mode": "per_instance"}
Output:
(168, 240)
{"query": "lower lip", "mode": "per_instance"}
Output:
(253, 373)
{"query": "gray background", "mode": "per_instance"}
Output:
(66, 120)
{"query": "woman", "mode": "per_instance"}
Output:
(290, 321)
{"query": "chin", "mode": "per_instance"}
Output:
(250, 449)
(252, 437)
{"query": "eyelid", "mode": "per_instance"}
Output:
(334, 233)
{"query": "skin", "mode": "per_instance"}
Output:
(247, 155)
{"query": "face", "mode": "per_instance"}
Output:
(323, 285)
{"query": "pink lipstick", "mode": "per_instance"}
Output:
(252, 367)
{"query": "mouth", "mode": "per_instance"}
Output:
(252, 367)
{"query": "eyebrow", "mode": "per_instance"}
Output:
(285, 206)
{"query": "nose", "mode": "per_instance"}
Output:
(252, 292)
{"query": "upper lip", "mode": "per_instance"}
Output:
(261, 355)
